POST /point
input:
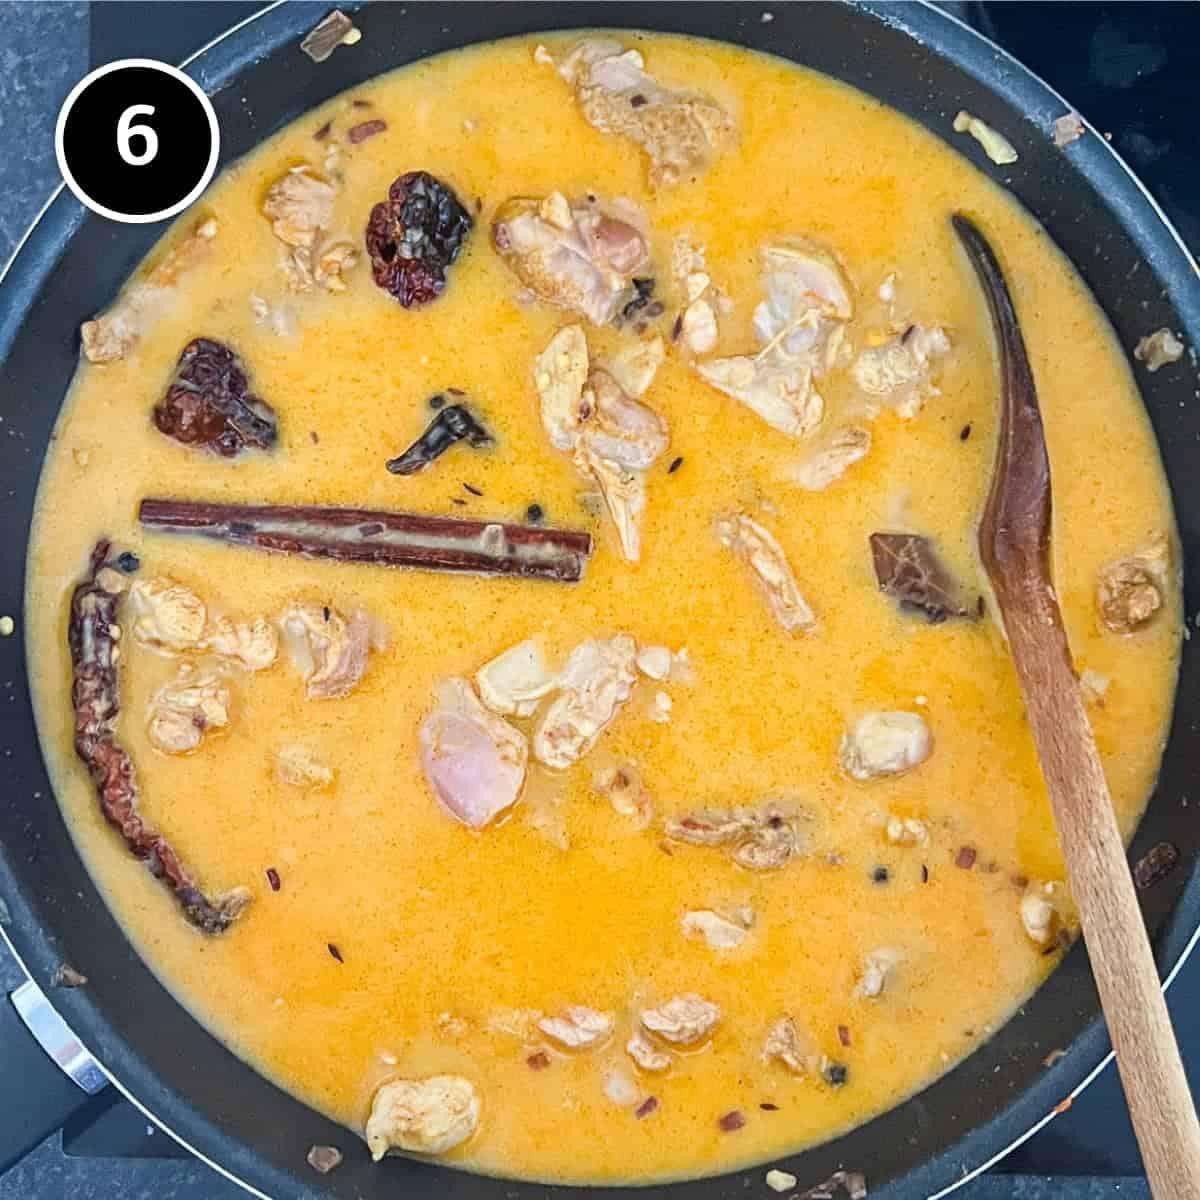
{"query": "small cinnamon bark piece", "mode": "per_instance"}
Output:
(94, 638)
(382, 537)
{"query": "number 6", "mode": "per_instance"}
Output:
(126, 130)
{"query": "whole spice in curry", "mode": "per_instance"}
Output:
(451, 425)
(414, 236)
(381, 537)
(909, 570)
(93, 634)
(209, 403)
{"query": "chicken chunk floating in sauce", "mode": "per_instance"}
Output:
(581, 255)
(680, 131)
(422, 1116)
(560, 897)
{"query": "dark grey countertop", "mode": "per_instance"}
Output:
(46, 50)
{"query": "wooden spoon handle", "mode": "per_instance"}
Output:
(1014, 543)
(1156, 1088)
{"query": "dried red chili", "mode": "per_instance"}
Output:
(92, 633)
(209, 403)
(414, 236)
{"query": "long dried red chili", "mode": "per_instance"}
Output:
(94, 638)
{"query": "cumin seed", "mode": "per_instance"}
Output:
(731, 1121)
(332, 948)
(964, 432)
(472, 489)
(273, 879)
(676, 463)
(965, 858)
(646, 1107)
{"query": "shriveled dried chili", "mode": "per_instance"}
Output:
(453, 424)
(94, 635)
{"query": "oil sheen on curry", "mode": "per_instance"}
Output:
(512, 552)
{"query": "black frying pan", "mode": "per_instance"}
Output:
(911, 57)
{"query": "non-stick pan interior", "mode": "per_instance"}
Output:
(912, 58)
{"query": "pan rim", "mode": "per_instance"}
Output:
(1012, 89)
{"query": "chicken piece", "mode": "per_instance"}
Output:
(680, 131)
(1094, 686)
(762, 838)
(624, 494)
(254, 646)
(559, 373)
(906, 831)
(514, 682)
(619, 428)
(585, 267)
(644, 1052)
(595, 684)
(422, 1116)
(279, 318)
(299, 767)
(112, 335)
(699, 327)
(1129, 592)
(331, 262)
(1041, 912)
(899, 370)
(633, 367)
(843, 449)
(182, 711)
(683, 1020)
(795, 1048)
(781, 393)
(1158, 349)
(299, 206)
(878, 968)
(578, 1028)
(655, 662)
(759, 550)
(474, 760)
(720, 931)
(885, 743)
(167, 616)
(623, 788)
(329, 650)
(807, 294)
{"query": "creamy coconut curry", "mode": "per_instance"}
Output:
(655, 796)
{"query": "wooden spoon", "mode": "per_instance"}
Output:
(1014, 543)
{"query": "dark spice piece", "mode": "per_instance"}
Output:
(964, 432)
(731, 1121)
(643, 289)
(365, 129)
(408, 539)
(539, 1060)
(880, 875)
(843, 1033)
(676, 463)
(646, 1107)
(322, 133)
(924, 873)
(332, 948)
(208, 403)
(414, 236)
(322, 41)
(767, 1106)
(67, 977)
(312, 433)
(453, 424)
(535, 514)
(965, 858)
(637, 100)
(836, 1074)
(273, 879)
(677, 328)
(459, 501)
(95, 697)
(128, 562)
(438, 401)
(472, 489)
(360, 103)
(1155, 865)
(908, 569)
(324, 1159)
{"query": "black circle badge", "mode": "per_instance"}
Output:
(137, 140)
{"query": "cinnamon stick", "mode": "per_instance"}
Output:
(385, 538)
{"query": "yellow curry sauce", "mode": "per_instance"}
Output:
(447, 936)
